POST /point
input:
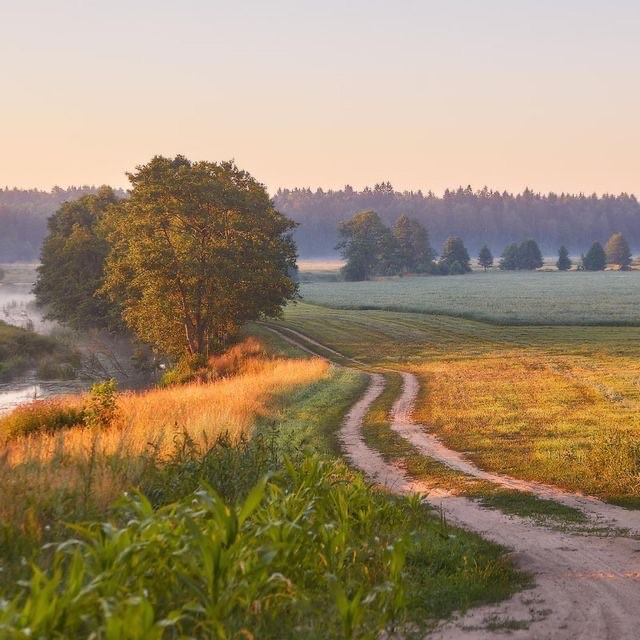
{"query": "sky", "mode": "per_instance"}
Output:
(426, 94)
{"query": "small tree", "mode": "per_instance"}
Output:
(509, 259)
(485, 258)
(595, 260)
(564, 261)
(618, 252)
(529, 255)
(455, 251)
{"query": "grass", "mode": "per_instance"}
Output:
(553, 404)
(344, 560)
(509, 298)
(379, 435)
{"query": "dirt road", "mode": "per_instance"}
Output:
(586, 587)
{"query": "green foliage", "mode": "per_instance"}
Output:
(41, 415)
(485, 257)
(101, 406)
(617, 251)
(412, 251)
(72, 264)
(366, 244)
(527, 256)
(456, 269)
(21, 349)
(564, 261)
(313, 546)
(595, 260)
(197, 250)
(455, 251)
(509, 259)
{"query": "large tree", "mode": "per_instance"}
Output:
(595, 260)
(197, 250)
(618, 252)
(529, 255)
(412, 251)
(452, 252)
(72, 264)
(367, 246)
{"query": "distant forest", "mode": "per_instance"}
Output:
(479, 217)
(23, 219)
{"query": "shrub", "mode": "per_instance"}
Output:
(51, 369)
(101, 406)
(41, 415)
(456, 269)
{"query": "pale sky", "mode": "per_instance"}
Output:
(426, 94)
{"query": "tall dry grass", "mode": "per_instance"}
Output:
(42, 472)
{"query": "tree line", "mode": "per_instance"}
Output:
(482, 217)
(372, 249)
(196, 250)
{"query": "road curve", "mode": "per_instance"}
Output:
(587, 587)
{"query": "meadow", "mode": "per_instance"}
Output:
(525, 298)
(548, 403)
(218, 508)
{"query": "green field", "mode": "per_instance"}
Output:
(548, 403)
(573, 298)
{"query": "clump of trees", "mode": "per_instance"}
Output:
(197, 250)
(455, 257)
(526, 256)
(371, 249)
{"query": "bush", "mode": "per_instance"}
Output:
(101, 406)
(41, 415)
(456, 269)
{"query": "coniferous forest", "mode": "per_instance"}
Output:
(479, 216)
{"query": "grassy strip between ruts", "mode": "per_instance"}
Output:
(442, 569)
(394, 448)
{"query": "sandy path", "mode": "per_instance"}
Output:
(586, 587)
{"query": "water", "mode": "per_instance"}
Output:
(18, 307)
(13, 394)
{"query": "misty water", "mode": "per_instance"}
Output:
(18, 307)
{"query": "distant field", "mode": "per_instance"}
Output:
(605, 298)
(556, 404)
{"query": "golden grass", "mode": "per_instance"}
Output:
(567, 420)
(45, 469)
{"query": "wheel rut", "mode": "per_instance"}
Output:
(586, 587)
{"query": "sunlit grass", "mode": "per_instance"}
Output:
(554, 404)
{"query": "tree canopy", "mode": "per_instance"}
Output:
(412, 251)
(197, 250)
(595, 260)
(564, 261)
(485, 257)
(453, 252)
(618, 251)
(367, 246)
(72, 264)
